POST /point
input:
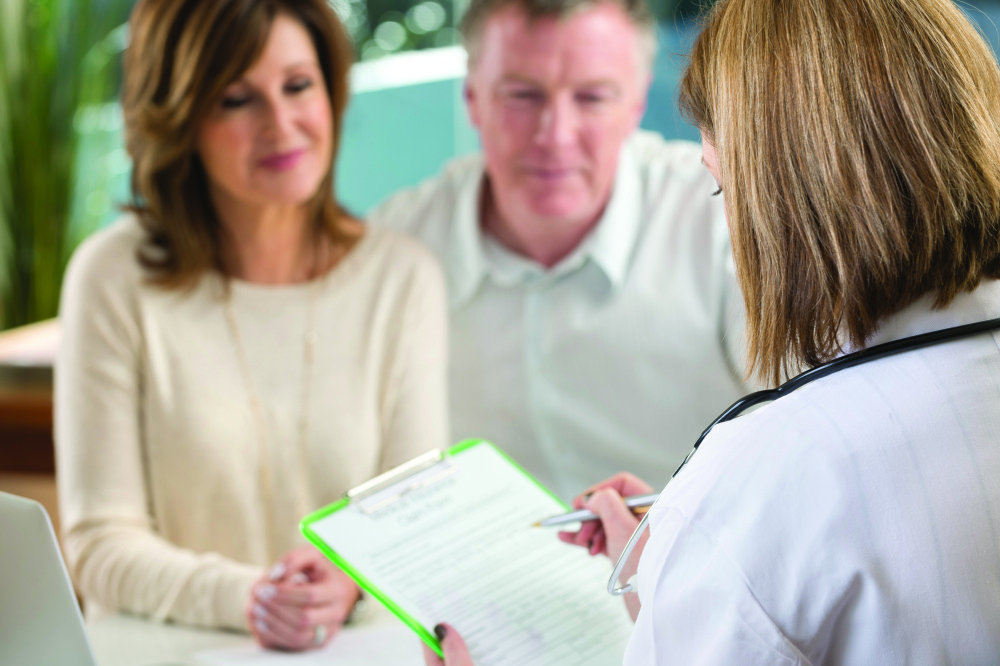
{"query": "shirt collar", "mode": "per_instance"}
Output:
(466, 260)
(472, 256)
(611, 243)
(980, 304)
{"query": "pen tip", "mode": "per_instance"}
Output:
(538, 524)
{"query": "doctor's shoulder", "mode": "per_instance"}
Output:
(804, 441)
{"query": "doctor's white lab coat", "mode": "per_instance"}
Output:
(855, 521)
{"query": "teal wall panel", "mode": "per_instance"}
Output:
(395, 138)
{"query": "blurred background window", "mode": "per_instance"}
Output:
(64, 171)
(381, 27)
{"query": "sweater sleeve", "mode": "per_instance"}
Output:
(115, 554)
(415, 413)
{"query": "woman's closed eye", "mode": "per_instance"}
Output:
(717, 192)
(235, 100)
(239, 99)
(298, 85)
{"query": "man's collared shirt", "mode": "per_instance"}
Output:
(614, 359)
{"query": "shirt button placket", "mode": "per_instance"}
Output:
(536, 313)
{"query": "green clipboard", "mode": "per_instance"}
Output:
(433, 540)
(392, 477)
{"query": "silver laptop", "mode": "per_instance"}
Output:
(40, 621)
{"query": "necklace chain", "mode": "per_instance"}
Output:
(256, 406)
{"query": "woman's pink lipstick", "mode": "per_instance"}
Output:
(282, 161)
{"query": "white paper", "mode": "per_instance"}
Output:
(387, 645)
(463, 551)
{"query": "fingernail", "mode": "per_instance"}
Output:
(261, 626)
(440, 631)
(259, 611)
(266, 592)
(298, 579)
(277, 572)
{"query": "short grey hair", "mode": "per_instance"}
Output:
(637, 11)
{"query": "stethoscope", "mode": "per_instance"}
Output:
(842, 363)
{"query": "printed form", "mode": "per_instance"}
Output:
(463, 550)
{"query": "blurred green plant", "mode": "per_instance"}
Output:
(55, 59)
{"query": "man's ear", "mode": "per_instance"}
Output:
(471, 101)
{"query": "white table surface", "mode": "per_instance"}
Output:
(120, 640)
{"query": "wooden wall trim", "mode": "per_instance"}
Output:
(26, 443)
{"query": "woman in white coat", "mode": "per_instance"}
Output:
(857, 520)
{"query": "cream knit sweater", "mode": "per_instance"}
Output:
(158, 448)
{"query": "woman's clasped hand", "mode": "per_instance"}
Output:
(301, 602)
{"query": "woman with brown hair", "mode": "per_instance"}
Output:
(237, 350)
(855, 519)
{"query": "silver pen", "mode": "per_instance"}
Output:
(639, 504)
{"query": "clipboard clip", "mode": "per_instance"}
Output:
(391, 486)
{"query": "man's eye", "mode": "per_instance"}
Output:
(525, 95)
(590, 98)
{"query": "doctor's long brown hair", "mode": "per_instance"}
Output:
(182, 55)
(859, 148)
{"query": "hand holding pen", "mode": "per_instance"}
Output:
(608, 535)
(639, 504)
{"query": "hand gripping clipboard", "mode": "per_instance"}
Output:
(447, 537)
